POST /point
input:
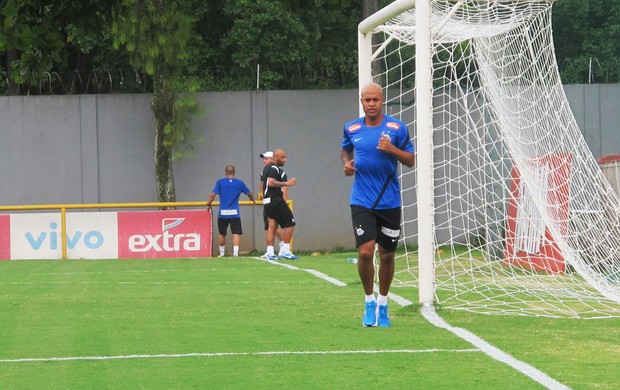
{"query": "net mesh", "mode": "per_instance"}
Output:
(525, 222)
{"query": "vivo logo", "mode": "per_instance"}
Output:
(166, 241)
(92, 239)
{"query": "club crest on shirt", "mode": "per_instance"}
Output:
(393, 125)
(353, 128)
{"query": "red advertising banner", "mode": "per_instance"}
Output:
(164, 234)
(5, 237)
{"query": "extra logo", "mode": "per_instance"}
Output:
(167, 240)
(393, 125)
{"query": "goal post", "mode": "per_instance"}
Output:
(424, 114)
(507, 210)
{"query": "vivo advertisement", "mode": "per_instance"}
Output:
(107, 235)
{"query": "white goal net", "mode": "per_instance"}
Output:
(524, 221)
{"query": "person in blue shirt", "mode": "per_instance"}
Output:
(229, 189)
(372, 146)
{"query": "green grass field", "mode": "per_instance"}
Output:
(247, 323)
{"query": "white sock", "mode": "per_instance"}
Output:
(286, 248)
(270, 250)
(235, 250)
(382, 300)
(222, 249)
(370, 298)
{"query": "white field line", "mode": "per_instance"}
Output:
(326, 277)
(226, 354)
(316, 273)
(147, 282)
(431, 316)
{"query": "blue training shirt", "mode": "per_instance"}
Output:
(229, 190)
(374, 167)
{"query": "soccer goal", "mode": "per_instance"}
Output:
(507, 211)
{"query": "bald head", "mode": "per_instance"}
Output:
(371, 88)
(279, 157)
(372, 103)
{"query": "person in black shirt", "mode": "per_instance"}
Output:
(268, 158)
(278, 212)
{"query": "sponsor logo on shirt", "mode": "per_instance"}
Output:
(354, 128)
(393, 125)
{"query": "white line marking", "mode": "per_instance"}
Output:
(533, 373)
(225, 354)
(326, 277)
(431, 316)
(160, 282)
(312, 271)
(278, 263)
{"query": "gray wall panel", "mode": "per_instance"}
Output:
(610, 119)
(89, 149)
(41, 150)
(125, 148)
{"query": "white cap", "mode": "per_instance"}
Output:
(268, 154)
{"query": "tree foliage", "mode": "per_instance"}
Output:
(297, 43)
(37, 37)
(264, 33)
(156, 35)
(587, 40)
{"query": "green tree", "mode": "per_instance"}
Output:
(264, 33)
(156, 33)
(36, 35)
(586, 37)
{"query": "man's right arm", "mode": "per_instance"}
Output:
(211, 198)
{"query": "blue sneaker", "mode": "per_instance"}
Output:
(384, 320)
(370, 314)
(289, 256)
(269, 257)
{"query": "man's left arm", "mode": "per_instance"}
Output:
(405, 157)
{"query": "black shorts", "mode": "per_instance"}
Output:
(235, 225)
(265, 219)
(281, 213)
(383, 226)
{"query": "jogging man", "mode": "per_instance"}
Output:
(229, 189)
(372, 146)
